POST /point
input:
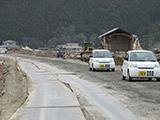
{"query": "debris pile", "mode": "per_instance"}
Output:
(14, 88)
(36, 52)
(73, 54)
(65, 53)
(118, 58)
(2, 75)
(68, 54)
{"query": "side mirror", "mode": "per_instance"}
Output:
(158, 59)
(126, 59)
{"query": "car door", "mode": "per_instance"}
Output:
(125, 65)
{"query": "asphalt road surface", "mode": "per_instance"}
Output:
(142, 97)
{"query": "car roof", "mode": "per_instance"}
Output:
(132, 51)
(101, 50)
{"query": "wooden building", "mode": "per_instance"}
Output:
(118, 40)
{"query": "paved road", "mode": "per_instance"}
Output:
(140, 96)
(49, 99)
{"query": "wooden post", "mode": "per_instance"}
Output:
(16, 69)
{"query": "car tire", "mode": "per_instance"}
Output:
(123, 77)
(113, 69)
(93, 68)
(158, 79)
(89, 67)
(149, 79)
(129, 77)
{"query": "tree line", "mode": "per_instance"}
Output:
(40, 23)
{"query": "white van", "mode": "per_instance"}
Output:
(140, 64)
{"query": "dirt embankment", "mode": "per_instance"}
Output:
(14, 89)
(70, 54)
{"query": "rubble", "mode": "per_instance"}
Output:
(11, 98)
(118, 58)
(68, 54)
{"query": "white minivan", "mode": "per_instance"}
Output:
(140, 64)
(101, 60)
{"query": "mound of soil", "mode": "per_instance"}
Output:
(13, 90)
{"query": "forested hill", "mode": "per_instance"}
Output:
(50, 22)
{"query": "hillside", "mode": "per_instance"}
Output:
(47, 23)
(152, 39)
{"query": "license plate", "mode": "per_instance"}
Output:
(142, 73)
(101, 66)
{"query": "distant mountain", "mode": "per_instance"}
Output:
(39, 23)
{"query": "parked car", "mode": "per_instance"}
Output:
(140, 64)
(101, 60)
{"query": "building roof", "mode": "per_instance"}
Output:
(9, 41)
(71, 43)
(115, 30)
(100, 50)
(130, 51)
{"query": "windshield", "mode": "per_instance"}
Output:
(102, 54)
(86, 45)
(142, 56)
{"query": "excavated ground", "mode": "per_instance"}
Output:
(14, 89)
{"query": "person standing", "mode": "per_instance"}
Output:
(58, 53)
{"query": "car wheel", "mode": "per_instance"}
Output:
(93, 68)
(129, 77)
(89, 67)
(149, 79)
(157, 79)
(113, 69)
(123, 77)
